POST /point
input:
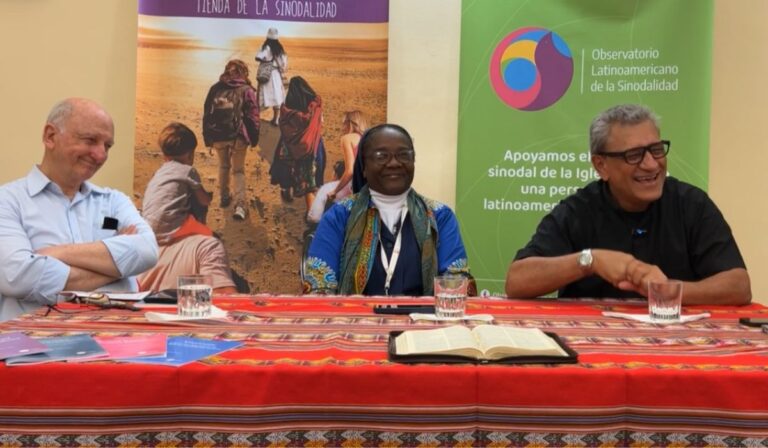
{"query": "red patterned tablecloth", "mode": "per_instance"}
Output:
(314, 372)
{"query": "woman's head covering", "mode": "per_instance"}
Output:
(299, 95)
(274, 45)
(358, 178)
(235, 69)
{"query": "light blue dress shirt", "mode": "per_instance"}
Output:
(34, 214)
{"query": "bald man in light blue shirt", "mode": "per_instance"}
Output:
(60, 232)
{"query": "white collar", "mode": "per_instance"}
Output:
(390, 207)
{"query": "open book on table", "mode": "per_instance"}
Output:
(484, 343)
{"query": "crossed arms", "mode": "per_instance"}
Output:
(91, 265)
(39, 258)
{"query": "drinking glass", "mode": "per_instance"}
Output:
(450, 296)
(664, 300)
(194, 295)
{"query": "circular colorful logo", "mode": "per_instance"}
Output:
(531, 68)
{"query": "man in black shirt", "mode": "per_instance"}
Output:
(633, 225)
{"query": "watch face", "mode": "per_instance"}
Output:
(585, 259)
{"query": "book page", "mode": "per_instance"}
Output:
(455, 340)
(498, 341)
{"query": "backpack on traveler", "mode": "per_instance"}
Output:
(226, 113)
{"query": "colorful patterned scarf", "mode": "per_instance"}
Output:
(362, 236)
(301, 131)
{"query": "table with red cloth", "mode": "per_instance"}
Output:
(313, 371)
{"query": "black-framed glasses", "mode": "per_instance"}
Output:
(382, 157)
(634, 156)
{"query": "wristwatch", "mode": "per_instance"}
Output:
(585, 259)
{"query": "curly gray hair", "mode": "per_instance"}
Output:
(624, 114)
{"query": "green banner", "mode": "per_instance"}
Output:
(532, 77)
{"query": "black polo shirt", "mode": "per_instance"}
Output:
(683, 233)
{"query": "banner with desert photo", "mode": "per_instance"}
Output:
(339, 48)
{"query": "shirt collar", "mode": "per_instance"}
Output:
(614, 205)
(390, 208)
(37, 182)
(389, 202)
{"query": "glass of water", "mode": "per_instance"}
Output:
(664, 300)
(450, 296)
(194, 295)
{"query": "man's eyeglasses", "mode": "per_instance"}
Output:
(634, 156)
(383, 157)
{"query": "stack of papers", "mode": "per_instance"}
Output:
(432, 317)
(124, 296)
(648, 320)
(217, 316)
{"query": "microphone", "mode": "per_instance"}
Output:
(397, 227)
(637, 232)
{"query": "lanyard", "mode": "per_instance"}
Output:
(389, 264)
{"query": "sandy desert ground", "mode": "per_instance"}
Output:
(174, 75)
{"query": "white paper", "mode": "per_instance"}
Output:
(432, 317)
(647, 319)
(155, 316)
(124, 296)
